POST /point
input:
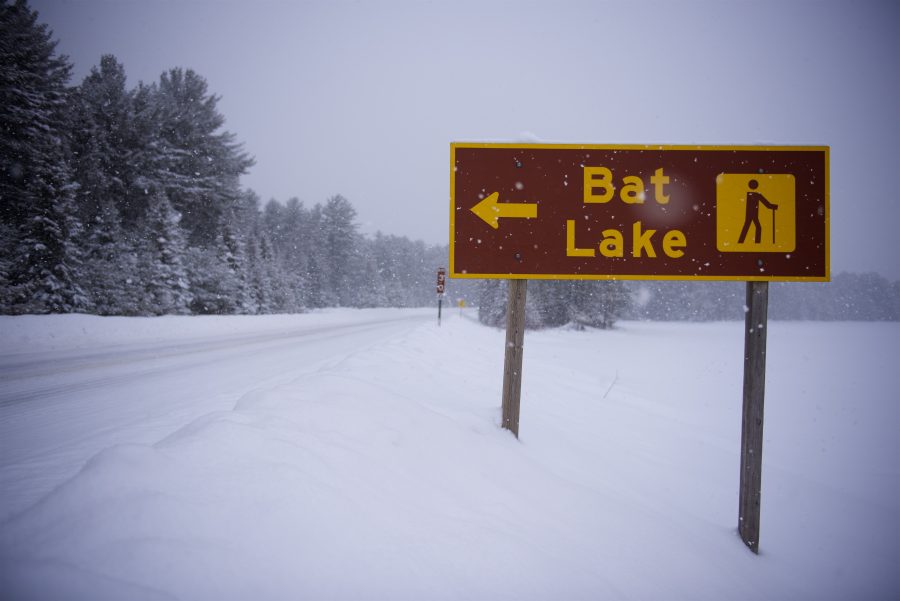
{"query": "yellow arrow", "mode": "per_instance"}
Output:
(490, 210)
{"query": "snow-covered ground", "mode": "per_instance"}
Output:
(357, 454)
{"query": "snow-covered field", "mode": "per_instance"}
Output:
(357, 454)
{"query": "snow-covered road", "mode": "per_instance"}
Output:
(71, 393)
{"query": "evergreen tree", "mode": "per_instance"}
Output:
(406, 270)
(101, 121)
(143, 151)
(224, 278)
(200, 166)
(282, 237)
(367, 286)
(43, 275)
(551, 303)
(32, 98)
(492, 301)
(261, 266)
(318, 292)
(101, 116)
(163, 271)
(206, 273)
(299, 238)
(273, 224)
(340, 251)
(231, 252)
(394, 262)
(36, 189)
(605, 303)
(110, 265)
(243, 220)
(551, 300)
(7, 248)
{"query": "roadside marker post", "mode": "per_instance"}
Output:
(643, 212)
(441, 279)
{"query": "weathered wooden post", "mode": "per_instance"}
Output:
(752, 421)
(512, 364)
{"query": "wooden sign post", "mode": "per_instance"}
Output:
(512, 363)
(756, 326)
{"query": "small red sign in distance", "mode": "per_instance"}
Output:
(441, 279)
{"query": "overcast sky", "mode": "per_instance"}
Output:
(364, 98)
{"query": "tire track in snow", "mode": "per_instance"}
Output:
(17, 376)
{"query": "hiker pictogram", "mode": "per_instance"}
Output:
(754, 199)
(761, 203)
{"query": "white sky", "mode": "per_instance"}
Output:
(363, 98)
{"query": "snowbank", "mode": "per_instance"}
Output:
(385, 475)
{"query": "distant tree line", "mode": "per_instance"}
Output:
(552, 303)
(122, 201)
(849, 296)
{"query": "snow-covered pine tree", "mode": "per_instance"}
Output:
(288, 291)
(44, 274)
(100, 119)
(32, 85)
(143, 152)
(283, 298)
(231, 255)
(607, 301)
(206, 272)
(340, 238)
(318, 292)
(552, 300)
(408, 269)
(260, 283)
(200, 165)
(163, 272)
(554, 303)
(367, 286)
(390, 254)
(175, 147)
(101, 131)
(244, 220)
(221, 274)
(272, 223)
(7, 248)
(36, 188)
(296, 235)
(231, 251)
(110, 274)
(492, 300)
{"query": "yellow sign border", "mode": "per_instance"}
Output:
(451, 271)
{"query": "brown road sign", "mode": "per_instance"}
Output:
(566, 211)
(441, 278)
